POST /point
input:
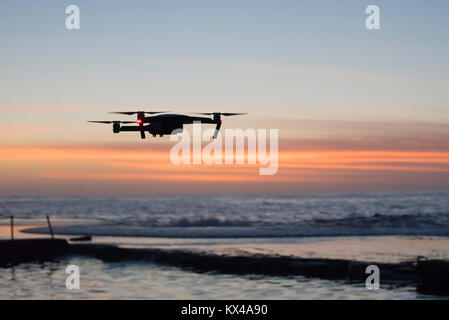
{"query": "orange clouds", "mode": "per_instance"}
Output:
(78, 169)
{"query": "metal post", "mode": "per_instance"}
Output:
(12, 227)
(49, 226)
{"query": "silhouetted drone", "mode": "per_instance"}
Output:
(164, 123)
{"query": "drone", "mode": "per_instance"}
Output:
(164, 123)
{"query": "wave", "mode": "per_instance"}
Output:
(236, 232)
(424, 213)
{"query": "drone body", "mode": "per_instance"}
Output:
(164, 123)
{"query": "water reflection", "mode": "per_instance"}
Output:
(138, 280)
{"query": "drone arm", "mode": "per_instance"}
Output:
(142, 131)
(217, 130)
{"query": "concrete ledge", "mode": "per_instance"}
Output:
(428, 276)
(30, 250)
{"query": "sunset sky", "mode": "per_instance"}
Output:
(357, 110)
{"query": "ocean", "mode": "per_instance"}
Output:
(425, 213)
(388, 227)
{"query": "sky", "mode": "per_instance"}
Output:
(356, 109)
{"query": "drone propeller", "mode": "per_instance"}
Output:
(129, 113)
(226, 114)
(109, 122)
